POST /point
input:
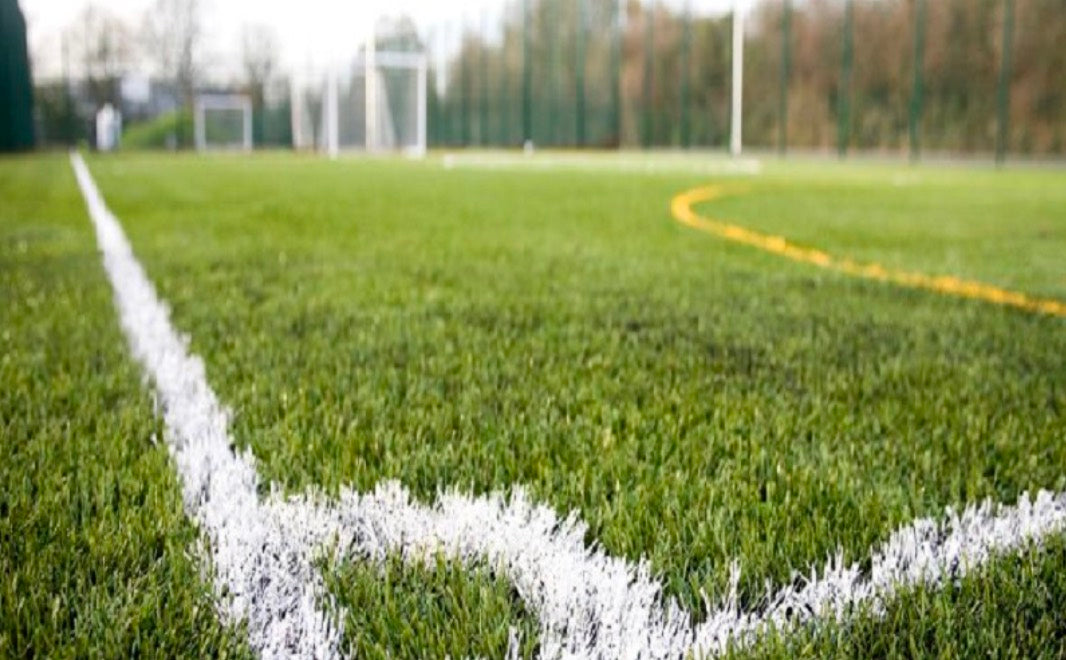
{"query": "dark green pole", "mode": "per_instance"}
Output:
(527, 77)
(1003, 118)
(548, 33)
(504, 95)
(483, 83)
(844, 98)
(446, 96)
(616, 72)
(579, 73)
(918, 91)
(786, 74)
(686, 74)
(464, 129)
(649, 46)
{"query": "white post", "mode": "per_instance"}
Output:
(422, 65)
(295, 114)
(735, 134)
(371, 95)
(247, 124)
(332, 120)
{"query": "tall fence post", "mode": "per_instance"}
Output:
(844, 98)
(686, 74)
(579, 73)
(786, 74)
(918, 91)
(527, 78)
(616, 72)
(464, 92)
(483, 81)
(736, 115)
(1003, 114)
(649, 62)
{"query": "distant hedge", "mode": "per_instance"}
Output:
(172, 130)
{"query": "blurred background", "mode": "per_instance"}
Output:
(895, 77)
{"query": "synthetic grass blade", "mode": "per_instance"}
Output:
(589, 604)
(681, 207)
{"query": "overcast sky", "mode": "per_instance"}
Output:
(311, 32)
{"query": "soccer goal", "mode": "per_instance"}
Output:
(223, 121)
(377, 103)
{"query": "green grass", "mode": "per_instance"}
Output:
(695, 400)
(95, 553)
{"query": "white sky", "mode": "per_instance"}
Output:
(311, 32)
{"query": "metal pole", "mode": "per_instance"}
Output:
(649, 62)
(579, 74)
(786, 74)
(464, 93)
(918, 91)
(504, 96)
(736, 116)
(547, 33)
(1003, 114)
(616, 72)
(444, 90)
(527, 79)
(371, 95)
(483, 83)
(844, 98)
(686, 74)
(422, 81)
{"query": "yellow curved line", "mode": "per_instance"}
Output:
(681, 207)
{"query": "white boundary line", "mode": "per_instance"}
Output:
(589, 604)
(650, 163)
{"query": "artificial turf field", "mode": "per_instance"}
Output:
(694, 401)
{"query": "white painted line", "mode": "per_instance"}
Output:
(588, 604)
(651, 163)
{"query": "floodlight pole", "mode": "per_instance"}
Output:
(371, 95)
(736, 116)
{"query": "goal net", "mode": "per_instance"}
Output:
(223, 121)
(386, 113)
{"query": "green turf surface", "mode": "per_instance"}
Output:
(95, 553)
(694, 400)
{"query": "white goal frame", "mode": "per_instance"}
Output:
(207, 102)
(372, 64)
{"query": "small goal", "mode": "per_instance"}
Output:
(223, 122)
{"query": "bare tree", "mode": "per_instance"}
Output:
(173, 34)
(259, 57)
(102, 46)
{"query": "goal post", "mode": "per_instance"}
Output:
(223, 122)
(374, 104)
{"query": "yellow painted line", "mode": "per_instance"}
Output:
(681, 207)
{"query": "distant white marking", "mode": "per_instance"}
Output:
(653, 163)
(588, 603)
